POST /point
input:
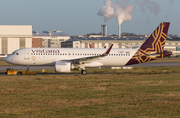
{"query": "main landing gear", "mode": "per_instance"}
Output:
(84, 72)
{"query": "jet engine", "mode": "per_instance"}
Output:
(63, 66)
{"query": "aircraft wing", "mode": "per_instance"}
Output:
(89, 59)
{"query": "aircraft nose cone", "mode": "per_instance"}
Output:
(7, 59)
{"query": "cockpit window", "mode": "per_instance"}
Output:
(15, 53)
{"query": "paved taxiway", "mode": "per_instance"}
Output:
(52, 67)
(156, 64)
(25, 67)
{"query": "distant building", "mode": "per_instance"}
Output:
(122, 42)
(13, 37)
(49, 39)
(37, 42)
(99, 42)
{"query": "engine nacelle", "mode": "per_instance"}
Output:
(63, 66)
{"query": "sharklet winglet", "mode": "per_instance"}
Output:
(108, 50)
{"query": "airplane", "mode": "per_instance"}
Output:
(91, 46)
(67, 59)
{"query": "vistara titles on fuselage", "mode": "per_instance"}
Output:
(67, 59)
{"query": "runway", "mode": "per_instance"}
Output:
(155, 64)
(25, 67)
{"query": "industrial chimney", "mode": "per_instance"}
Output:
(104, 30)
(119, 31)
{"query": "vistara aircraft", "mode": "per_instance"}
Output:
(67, 59)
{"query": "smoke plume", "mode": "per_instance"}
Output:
(107, 10)
(148, 4)
(123, 12)
(119, 10)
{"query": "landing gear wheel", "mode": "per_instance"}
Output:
(84, 72)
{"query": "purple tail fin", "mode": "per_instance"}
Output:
(154, 44)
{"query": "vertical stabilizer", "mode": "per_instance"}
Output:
(153, 45)
(91, 46)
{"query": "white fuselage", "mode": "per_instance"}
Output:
(47, 56)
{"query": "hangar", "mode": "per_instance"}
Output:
(13, 37)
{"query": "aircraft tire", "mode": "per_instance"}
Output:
(84, 72)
